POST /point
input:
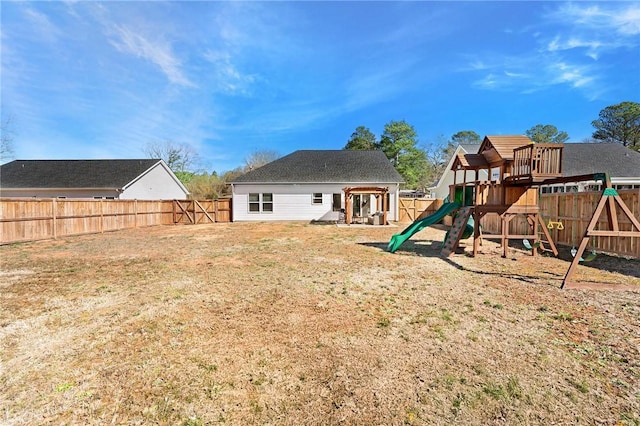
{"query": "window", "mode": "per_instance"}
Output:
(254, 203)
(267, 202)
(260, 202)
(316, 198)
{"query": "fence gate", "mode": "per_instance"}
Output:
(411, 209)
(202, 211)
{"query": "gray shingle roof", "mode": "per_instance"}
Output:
(325, 166)
(612, 158)
(72, 173)
(471, 148)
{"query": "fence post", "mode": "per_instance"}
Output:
(55, 222)
(173, 210)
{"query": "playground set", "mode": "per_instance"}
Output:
(517, 168)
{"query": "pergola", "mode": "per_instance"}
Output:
(381, 200)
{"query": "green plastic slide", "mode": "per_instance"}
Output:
(420, 224)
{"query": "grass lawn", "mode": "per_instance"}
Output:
(298, 324)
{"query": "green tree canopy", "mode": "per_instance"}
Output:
(466, 137)
(619, 123)
(399, 142)
(546, 133)
(398, 138)
(362, 139)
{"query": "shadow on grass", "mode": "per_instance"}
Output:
(432, 249)
(605, 262)
(615, 264)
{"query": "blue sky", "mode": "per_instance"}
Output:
(102, 80)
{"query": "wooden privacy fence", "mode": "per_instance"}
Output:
(412, 208)
(574, 210)
(29, 219)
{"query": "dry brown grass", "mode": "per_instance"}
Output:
(295, 324)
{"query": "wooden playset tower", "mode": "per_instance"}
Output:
(516, 168)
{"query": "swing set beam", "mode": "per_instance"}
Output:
(608, 201)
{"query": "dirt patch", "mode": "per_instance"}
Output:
(299, 324)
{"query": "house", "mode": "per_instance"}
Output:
(311, 184)
(621, 163)
(440, 189)
(148, 179)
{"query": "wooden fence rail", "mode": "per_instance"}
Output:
(33, 219)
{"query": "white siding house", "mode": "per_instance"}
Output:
(440, 190)
(309, 185)
(111, 179)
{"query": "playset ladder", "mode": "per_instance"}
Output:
(456, 231)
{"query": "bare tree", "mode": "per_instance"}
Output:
(6, 139)
(180, 157)
(259, 158)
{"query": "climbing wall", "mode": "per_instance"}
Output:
(456, 231)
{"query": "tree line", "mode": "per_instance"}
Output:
(422, 165)
(418, 165)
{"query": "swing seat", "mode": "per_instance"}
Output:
(529, 246)
(573, 253)
(590, 256)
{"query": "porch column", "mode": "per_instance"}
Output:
(384, 208)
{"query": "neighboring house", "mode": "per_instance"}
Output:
(309, 185)
(621, 163)
(110, 179)
(441, 188)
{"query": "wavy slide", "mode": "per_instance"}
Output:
(420, 224)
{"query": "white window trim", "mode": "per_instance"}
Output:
(261, 202)
(314, 199)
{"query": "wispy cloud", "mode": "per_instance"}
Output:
(576, 76)
(227, 77)
(159, 52)
(592, 46)
(511, 73)
(42, 25)
(620, 18)
(597, 28)
(578, 31)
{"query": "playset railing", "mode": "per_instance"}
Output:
(536, 162)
